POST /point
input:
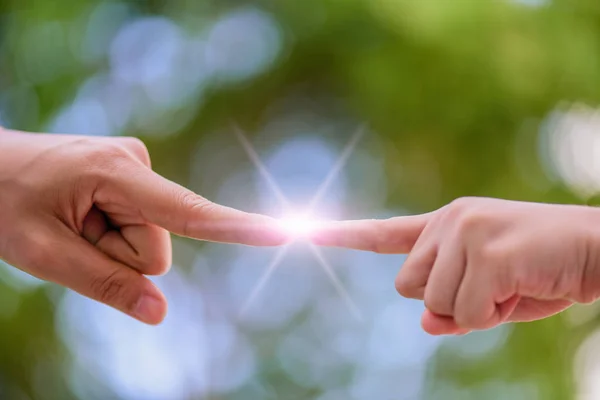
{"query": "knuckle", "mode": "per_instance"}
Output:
(491, 254)
(461, 204)
(469, 221)
(383, 236)
(158, 258)
(102, 157)
(138, 147)
(157, 264)
(459, 207)
(454, 211)
(134, 143)
(438, 306)
(191, 203)
(110, 289)
(406, 288)
(402, 286)
(102, 151)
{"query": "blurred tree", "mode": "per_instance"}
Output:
(457, 91)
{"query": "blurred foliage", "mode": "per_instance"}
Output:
(456, 91)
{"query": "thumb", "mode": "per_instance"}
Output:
(73, 262)
(391, 236)
(440, 325)
(181, 211)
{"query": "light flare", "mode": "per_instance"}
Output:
(298, 226)
(301, 225)
(337, 167)
(261, 167)
(264, 279)
(336, 282)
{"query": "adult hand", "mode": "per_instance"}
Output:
(480, 262)
(89, 214)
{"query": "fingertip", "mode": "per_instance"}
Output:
(269, 232)
(318, 237)
(152, 306)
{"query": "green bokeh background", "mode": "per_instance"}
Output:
(455, 95)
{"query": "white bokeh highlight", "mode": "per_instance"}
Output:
(570, 142)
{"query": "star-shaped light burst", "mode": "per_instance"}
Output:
(301, 224)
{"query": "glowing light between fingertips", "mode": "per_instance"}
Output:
(299, 225)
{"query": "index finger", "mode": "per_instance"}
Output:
(391, 236)
(182, 212)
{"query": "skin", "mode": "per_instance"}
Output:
(91, 215)
(479, 262)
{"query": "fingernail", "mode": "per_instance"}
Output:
(150, 309)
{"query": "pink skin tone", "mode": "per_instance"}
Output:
(91, 215)
(479, 262)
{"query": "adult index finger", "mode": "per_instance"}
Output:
(183, 212)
